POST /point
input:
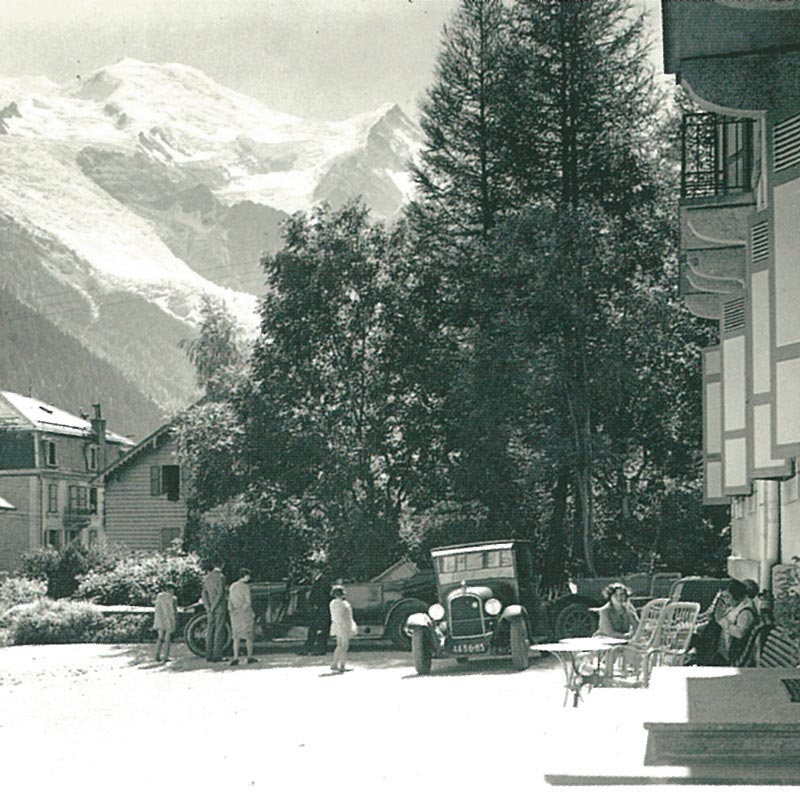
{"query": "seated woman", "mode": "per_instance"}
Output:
(707, 632)
(736, 624)
(618, 617)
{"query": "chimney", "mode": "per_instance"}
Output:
(98, 425)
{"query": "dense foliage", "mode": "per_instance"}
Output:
(62, 569)
(787, 598)
(35, 607)
(64, 621)
(16, 589)
(511, 359)
(137, 578)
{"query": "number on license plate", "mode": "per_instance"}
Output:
(475, 647)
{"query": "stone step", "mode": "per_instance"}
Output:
(694, 726)
(687, 744)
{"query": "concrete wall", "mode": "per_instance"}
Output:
(16, 526)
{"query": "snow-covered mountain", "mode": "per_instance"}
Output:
(129, 193)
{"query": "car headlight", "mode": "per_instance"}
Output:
(493, 606)
(436, 611)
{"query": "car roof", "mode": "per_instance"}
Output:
(472, 547)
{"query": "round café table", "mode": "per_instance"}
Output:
(569, 653)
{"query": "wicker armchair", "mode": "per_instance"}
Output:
(665, 643)
(624, 661)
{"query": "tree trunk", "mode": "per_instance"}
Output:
(583, 485)
(557, 545)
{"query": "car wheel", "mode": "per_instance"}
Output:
(194, 634)
(421, 648)
(396, 625)
(519, 644)
(573, 621)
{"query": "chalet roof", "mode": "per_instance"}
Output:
(29, 414)
(148, 442)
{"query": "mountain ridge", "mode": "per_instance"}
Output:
(128, 194)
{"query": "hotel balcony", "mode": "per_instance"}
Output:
(77, 516)
(717, 198)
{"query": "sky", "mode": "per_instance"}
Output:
(320, 59)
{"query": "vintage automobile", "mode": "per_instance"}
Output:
(381, 606)
(488, 605)
(491, 602)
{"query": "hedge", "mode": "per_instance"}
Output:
(48, 621)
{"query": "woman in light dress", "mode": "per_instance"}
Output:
(240, 609)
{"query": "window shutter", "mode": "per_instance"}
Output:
(759, 241)
(733, 315)
(787, 143)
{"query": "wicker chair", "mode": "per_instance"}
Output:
(632, 664)
(675, 637)
(624, 661)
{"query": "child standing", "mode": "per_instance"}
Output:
(343, 627)
(166, 619)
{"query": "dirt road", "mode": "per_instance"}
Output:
(105, 721)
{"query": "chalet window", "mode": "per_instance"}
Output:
(53, 538)
(78, 498)
(72, 535)
(52, 498)
(171, 481)
(155, 481)
(165, 480)
(168, 536)
(93, 500)
(92, 458)
(92, 536)
(50, 458)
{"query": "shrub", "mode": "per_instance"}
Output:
(137, 578)
(48, 621)
(63, 568)
(16, 590)
(787, 598)
(38, 564)
(122, 628)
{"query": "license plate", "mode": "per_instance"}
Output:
(471, 647)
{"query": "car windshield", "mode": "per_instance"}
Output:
(471, 566)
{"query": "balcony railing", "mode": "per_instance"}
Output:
(77, 515)
(717, 155)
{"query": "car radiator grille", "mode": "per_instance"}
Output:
(466, 616)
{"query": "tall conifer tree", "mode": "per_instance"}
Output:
(460, 177)
(562, 124)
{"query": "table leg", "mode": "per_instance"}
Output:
(573, 679)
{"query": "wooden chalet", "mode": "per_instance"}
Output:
(141, 495)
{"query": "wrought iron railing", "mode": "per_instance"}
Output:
(717, 155)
